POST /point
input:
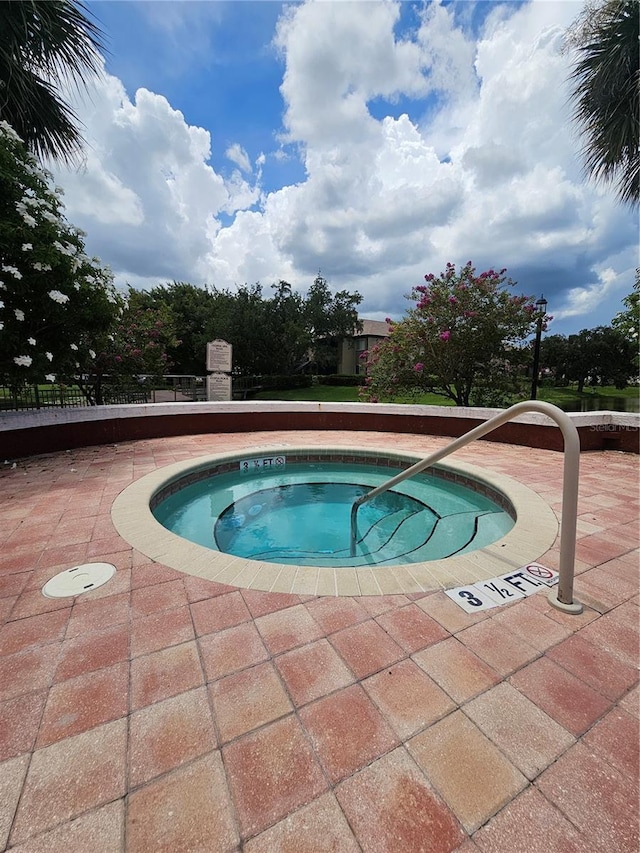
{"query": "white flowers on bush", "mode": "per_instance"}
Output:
(69, 249)
(9, 132)
(39, 213)
(50, 377)
(12, 271)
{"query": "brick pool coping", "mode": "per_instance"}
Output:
(533, 534)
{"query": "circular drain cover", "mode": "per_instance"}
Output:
(78, 579)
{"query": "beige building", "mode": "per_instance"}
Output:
(351, 348)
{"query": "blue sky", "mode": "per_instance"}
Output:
(233, 142)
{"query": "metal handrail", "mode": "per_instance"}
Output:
(562, 598)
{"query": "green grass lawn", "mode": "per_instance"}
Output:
(564, 397)
(315, 394)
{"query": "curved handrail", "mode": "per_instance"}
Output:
(563, 597)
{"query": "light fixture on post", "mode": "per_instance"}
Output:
(541, 306)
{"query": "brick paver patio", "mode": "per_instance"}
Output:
(163, 712)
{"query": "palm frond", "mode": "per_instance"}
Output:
(43, 44)
(606, 93)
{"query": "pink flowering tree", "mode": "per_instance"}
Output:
(463, 339)
(131, 353)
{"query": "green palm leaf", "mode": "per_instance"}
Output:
(43, 44)
(606, 80)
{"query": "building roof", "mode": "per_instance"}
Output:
(373, 327)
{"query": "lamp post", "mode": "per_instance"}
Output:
(541, 305)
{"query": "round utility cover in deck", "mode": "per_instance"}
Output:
(79, 579)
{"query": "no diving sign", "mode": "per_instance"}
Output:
(504, 588)
(535, 570)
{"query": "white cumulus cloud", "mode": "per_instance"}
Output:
(480, 163)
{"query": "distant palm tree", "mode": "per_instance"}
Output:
(606, 80)
(44, 43)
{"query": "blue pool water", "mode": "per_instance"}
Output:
(300, 514)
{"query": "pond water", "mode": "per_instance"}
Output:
(603, 404)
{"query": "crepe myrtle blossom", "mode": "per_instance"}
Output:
(27, 247)
(23, 360)
(29, 220)
(92, 353)
(59, 297)
(74, 347)
(441, 346)
(49, 355)
(19, 314)
(50, 377)
(31, 341)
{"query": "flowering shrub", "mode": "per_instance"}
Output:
(136, 347)
(459, 340)
(55, 302)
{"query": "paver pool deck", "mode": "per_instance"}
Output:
(163, 712)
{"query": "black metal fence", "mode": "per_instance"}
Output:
(146, 390)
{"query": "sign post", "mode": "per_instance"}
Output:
(219, 367)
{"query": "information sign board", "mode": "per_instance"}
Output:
(219, 356)
(218, 387)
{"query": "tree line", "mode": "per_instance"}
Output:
(282, 333)
(606, 355)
